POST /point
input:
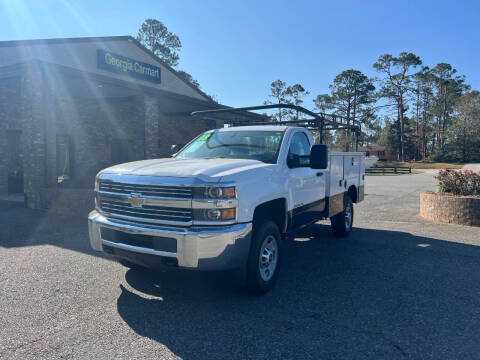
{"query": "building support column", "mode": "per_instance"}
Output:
(152, 131)
(50, 137)
(3, 143)
(32, 112)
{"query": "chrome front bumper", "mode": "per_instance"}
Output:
(200, 248)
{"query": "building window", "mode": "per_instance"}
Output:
(118, 151)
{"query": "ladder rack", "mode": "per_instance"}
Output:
(320, 122)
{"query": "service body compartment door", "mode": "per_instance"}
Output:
(336, 183)
(352, 163)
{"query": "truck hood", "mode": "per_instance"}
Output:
(172, 167)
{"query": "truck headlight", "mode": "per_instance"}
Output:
(214, 192)
(214, 214)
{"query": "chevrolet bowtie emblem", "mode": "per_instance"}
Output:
(136, 200)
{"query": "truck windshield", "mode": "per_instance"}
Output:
(255, 145)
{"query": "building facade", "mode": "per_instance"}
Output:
(71, 107)
(380, 151)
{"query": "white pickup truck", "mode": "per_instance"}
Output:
(227, 200)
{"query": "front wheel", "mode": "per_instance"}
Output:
(342, 223)
(263, 260)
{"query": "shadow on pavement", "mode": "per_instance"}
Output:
(20, 226)
(376, 294)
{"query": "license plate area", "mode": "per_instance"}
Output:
(159, 243)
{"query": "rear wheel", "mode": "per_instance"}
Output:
(342, 223)
(263, 260)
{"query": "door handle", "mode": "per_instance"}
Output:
(319, 173)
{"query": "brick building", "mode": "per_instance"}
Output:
(379, 151)
(70, 107)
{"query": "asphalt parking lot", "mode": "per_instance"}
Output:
(399, 287)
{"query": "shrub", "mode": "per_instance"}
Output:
(459, 182)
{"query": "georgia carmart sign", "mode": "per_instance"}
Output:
(109, 61)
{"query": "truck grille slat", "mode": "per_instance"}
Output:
(146, 215)
(147, 210)
(135, 212)
(113, 200)
(147, 190)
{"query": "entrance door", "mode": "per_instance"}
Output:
(14, 162)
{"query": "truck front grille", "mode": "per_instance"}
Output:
(179, 192)
(146, 213)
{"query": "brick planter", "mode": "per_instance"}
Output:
(464, 210)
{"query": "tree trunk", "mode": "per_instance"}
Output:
(433, 144)
(424, 128)
(417, 120)
(354, 116)
(402, 128)
(445, 115)
(279, 112)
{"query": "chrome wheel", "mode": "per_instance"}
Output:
(268, 257)
(348, 216)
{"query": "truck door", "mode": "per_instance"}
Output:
(307, 185)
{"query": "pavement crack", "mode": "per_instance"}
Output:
(19, 346)
(400, 349)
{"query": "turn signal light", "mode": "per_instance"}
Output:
(229, 192)
(228, 214)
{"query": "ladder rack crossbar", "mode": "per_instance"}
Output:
(318, 121)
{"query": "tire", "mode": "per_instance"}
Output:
(342, 223)
(264, 258)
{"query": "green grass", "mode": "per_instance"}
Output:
(419, 165)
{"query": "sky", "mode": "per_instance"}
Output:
(235, 49)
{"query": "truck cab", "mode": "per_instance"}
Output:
(227, 200)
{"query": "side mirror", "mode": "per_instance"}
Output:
(319, 157)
